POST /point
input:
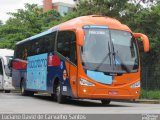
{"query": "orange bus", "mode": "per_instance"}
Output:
(89, 57)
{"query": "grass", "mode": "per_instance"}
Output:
(150, 94)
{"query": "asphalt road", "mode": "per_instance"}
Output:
(15, 103)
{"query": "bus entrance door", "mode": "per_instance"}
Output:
(73, 80)
(1, 74)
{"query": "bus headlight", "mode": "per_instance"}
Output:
(136, 85)
(85, 82)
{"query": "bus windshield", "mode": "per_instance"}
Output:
(109, 51)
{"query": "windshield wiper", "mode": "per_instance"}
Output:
(107, 55)
(115, 56)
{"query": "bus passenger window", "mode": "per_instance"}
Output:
(51, 44)
(45, 43)
(66, 45)
(18, 52)
(63, 43)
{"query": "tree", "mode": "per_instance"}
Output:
(1, 23)
(148, 22)
(30, 18)
(112, 8)
(50, 16)
(25, 23)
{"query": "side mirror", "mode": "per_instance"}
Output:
(80, 36)
(145, 40)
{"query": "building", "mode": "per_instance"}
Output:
(60, 7)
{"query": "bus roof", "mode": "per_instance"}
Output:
(79, 22)
(6, 52)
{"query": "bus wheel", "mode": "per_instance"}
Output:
(59, 96)
(105, 102)
(24, 92)
(7, 91)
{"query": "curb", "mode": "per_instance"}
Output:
(146, 101)
(142, 101)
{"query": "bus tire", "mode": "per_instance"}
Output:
(7, 91)
(24, 92)
(105, 102)
(59, 96)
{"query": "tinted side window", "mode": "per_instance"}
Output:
(63, 43)
(19, 51)
(51, 41)
(66, 45)
(43, 44)
(25, 51)
(22, 51)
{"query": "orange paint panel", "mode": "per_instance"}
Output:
(145, 40)
(73, 79)
(79, 22)
(72, 74)
(105, 93)
(126, 79)
(67, 67)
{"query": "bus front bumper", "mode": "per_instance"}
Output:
(123, 94)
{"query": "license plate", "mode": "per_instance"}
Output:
(113, 93)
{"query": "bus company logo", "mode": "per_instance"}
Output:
(150, 117)
(37, 63)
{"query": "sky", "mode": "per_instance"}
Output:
(12, 5)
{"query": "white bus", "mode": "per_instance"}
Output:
(6, 56)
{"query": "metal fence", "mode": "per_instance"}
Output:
(150, 78)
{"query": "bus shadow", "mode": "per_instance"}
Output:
(79, 102)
